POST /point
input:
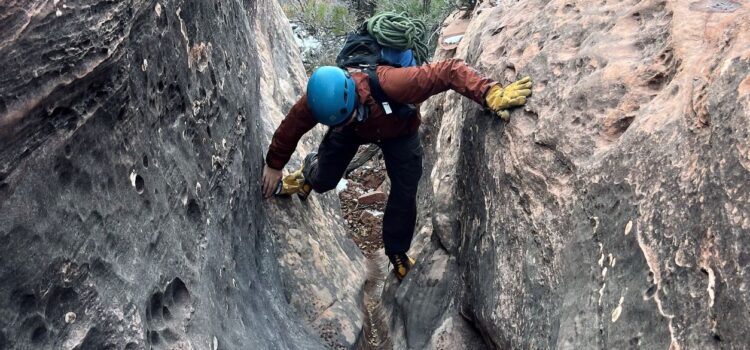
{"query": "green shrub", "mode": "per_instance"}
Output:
(321, 16)
(330, 20)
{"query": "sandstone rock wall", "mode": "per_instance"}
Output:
(322, 269)
(132, 135)
(612, 211)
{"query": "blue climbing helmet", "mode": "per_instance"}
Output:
(331, 95)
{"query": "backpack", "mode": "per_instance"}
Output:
(362, 51)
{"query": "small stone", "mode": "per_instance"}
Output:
(385, 186)
(370, 219)
(373, 181)
(372, 198)
(70, 317)
(366, 216)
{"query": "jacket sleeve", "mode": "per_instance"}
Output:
(297, 122)
(416, 84)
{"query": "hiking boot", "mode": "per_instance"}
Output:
(402, 263)
(304, 191)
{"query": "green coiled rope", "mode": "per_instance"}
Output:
(399, 31)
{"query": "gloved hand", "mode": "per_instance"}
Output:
(504, 114)
(290, 184)
(294, 183)
(499, 99)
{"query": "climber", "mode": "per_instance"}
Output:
(342, 100)
(369, 99)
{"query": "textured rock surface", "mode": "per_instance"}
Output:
(322, 269)
(612, 211)
(131, 143)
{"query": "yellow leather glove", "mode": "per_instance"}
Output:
(504, 114)
(290, 184)
(294, 183)
(500, 99)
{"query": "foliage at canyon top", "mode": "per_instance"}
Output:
(328, 21)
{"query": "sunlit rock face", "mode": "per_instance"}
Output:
(132, 137)
(613, 210)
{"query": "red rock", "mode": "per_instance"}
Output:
(385, 186)
(372, 198)
(369, 219)
(373, 180)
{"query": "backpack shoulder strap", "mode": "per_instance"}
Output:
(389, 106)
(376, 90)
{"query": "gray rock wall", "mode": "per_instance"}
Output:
(612, 211)
(132, 135)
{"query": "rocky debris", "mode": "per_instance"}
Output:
(611, 211)
(364, 154)
(371, 218)
(132, 137)
(384, 186)
(371, 198)
(366, 223)
(342, 186)
(318, 48)
(365, 218)
(373, 181)
(308, 45)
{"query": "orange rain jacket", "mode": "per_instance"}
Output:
(404, 85)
